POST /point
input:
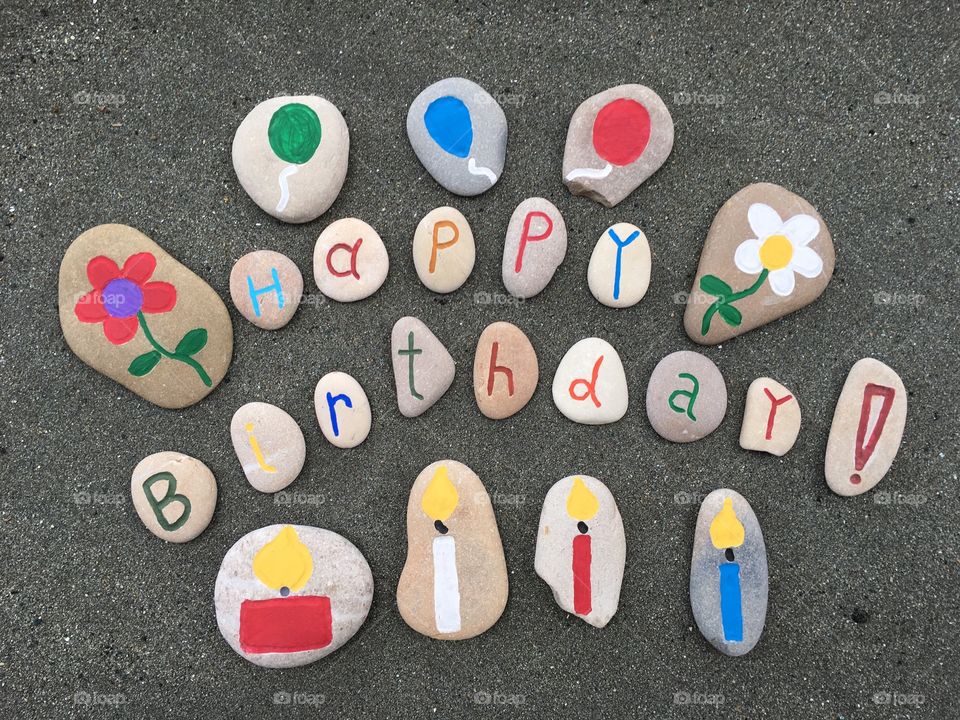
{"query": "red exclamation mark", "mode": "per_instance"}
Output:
(863, 450)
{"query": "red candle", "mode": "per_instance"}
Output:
(581, 574)
(286, 624)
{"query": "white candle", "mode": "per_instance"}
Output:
(446, 585)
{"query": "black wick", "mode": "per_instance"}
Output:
(441, 528)
(728, 554)
(582, 527)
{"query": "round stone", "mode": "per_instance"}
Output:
(590, 386)
(343, 410)
(269, 445)
(174, 495)
(505, 370)
(266, 288)
(350, 261)
(444, 250)
(619, 270)
(686, 397)
(535, 245)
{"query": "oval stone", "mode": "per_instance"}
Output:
(590, 386)
(133, 313)
(444, 250)
(619, 270)
(771, 418)
(686, 397)
(343, 410)
(269, 445)
(582, 549)
(266, 287)
(288, 595)
(535, 245)
(174, 495)
(459, 132)
(728, 573)
(423, 369)
(290, 154)
(454, 581)
(505, 371)
(350, 261)
(867, 428)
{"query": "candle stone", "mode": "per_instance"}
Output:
(470, 593)
(290, 154)
(555, 559)
(535, 245)
(771, 418)
(269, 444)
(444, 250)
(728, 573)
(343, 410)
(619, 271)
(590, 386)
(266, 287)
(350, 261)
(295, 607)
(174, 495)
(423, 369)
(686, 397)
(505, 370)
(867, 428)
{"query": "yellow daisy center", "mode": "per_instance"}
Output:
(776, 252)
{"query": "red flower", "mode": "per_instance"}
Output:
(120, 295)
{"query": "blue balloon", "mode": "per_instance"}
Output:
(448, 122)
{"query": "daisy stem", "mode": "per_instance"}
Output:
(728, 299)
(186, 359)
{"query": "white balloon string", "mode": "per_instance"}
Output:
(590, 173)
(480, 170)
(284, 189)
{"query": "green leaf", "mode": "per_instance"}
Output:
(142, 364)
(192, 342)
(715, 286)
(730, 314)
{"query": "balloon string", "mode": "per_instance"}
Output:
(480, 170)
(284, 189)
(590, 173)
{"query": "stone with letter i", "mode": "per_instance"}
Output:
(274, 287)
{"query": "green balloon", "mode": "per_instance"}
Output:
(294, 133)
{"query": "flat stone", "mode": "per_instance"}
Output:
(770, 249)
(686, 397)
(867, 428)
(444, 250)
(290, 154)
(459, 132)
(350, 261)
(133, 313)
(771, 418)
(423, 369)
(581, 548)
(505, 371)
(454, 581)
(266, 288)
(535, 245)
(616, 140)
(619, 270)
(174, 495)
(343, 410)
(269, 445)
(728, 573)
(288, 595)
(590, 386)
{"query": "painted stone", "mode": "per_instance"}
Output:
(266, 287)
(728, 573)
(581, 548)
(505, 371)
(771, 418)
(174, 495)
(619, 270)
(535, 245)
(454, 581)
(590, 386)
(459, 132)
(288, 595)
(343, 410)
(269, 445)
(290, 154)
(686, 397)
(768, 253)
(867, 428)
(423, 369)
(350, 261)
(444, 250)
(616, 140)
(133, 313)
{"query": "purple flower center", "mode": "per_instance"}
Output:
(122, 298)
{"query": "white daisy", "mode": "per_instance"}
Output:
(779, 248)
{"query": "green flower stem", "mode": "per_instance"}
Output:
(186, 359)
(728, 299)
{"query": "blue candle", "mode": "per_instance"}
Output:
(730, 609)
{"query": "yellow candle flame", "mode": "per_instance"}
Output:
(726, 530)
(440, 498)
(284, 561)
(581, 503)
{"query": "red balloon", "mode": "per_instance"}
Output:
(621, 131)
